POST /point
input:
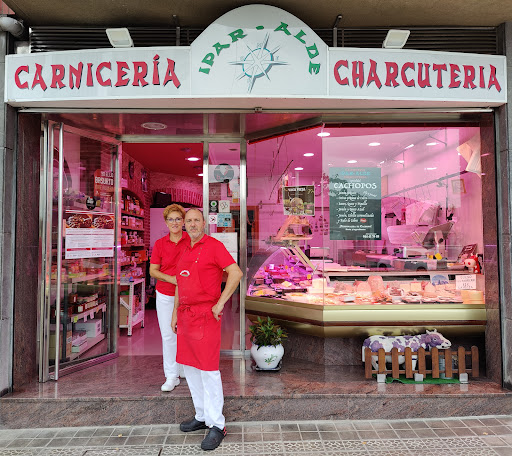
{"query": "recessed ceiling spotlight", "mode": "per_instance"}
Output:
(153, 126)
(193, 159)
(323, 134)
(200, 174)
(382, 162)
(430, 169)
(309, 154)
(299, 168)
(409, 146)
(351, 161)
(374, 144)
(432, 144)
(400, 161)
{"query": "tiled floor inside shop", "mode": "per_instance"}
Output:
(457, 436)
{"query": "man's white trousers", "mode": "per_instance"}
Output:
(207, 395)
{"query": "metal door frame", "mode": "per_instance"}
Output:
(45, 234)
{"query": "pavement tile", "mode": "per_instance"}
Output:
(484, 436)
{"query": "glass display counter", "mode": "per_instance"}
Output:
(329, 300)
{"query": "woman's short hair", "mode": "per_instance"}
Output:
(174, 208)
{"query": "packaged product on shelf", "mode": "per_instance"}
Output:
(92, 327)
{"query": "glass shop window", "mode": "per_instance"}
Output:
(367, 215)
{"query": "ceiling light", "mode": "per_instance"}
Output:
(299, 168)
(200, 174)
(400, 161)
(430, 169)
(154, 126)
(351, 161)
(119, 37)
(309, 154)
(396, 39)
(432, 144)
(374, 144)
(409, 146)
(193, 159)
(323, 134)
(381, 162)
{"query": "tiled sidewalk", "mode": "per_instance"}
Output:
(452, 436)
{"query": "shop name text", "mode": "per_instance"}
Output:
(105, 74)
(411, 74)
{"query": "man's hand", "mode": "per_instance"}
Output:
(217, 311)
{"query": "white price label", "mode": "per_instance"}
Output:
(465, 282)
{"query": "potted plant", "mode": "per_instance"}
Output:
(266, 338)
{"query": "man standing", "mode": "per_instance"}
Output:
(196, 319)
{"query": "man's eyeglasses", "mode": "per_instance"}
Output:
(176, 220)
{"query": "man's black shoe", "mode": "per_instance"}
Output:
(192, 425)
(213, 438)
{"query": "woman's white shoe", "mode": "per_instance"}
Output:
(170, 384)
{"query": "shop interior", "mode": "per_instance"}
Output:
(412, 238)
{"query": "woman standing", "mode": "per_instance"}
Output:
(166, 253)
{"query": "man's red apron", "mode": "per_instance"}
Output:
(199, 333)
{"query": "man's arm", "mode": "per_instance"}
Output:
(234, 276)
(174, 319)
(154, 271)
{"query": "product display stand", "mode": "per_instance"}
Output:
(139, 316)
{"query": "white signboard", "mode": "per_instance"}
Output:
(109, 74)
(254, 56)
(258, 50)
(465, 282)
(399, 74)
(230, 241)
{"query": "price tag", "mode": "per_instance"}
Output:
(465, 282)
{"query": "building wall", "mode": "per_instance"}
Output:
(503, 314)
(7, 224)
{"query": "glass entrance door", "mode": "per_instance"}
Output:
(225, 214)
(78, 225)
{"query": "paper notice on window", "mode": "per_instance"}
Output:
(230, 241)
(465, 282)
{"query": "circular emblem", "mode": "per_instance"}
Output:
(223, 173)
(184, 273)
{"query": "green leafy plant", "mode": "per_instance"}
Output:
(266, 332)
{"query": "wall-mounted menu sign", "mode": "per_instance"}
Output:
(299, 200)
(355, 203)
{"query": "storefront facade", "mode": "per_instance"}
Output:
(263, 82)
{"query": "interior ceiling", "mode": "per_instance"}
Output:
(201, 13)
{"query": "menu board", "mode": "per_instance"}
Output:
(299, 200)
(355, 203)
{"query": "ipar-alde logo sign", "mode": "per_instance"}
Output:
(259, 53)
(261, 57)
